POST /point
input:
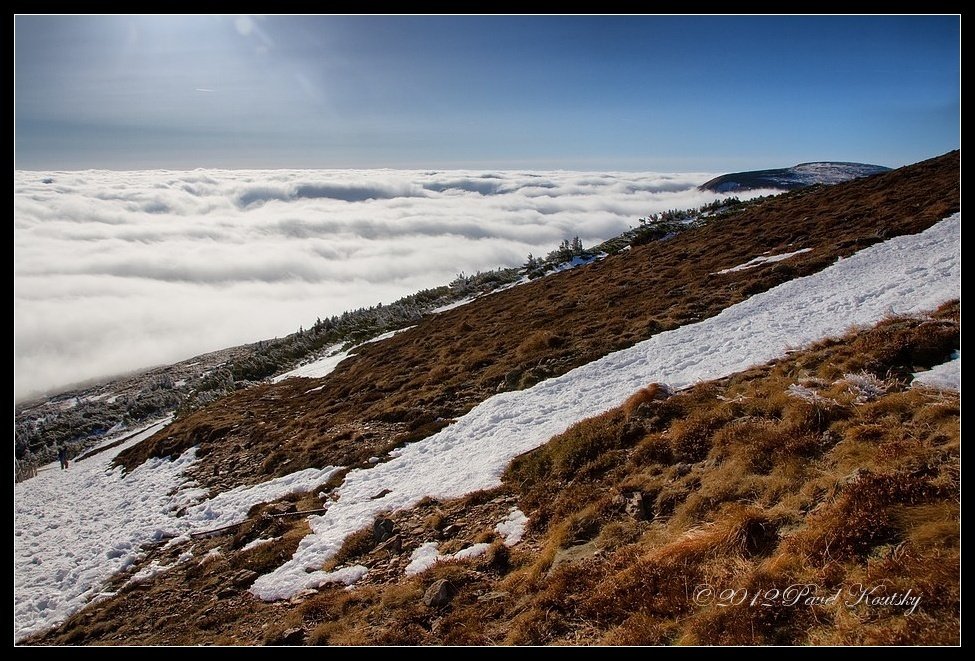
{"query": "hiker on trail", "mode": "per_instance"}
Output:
(63, 457)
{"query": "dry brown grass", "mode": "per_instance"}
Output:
(749, 489)
(643, 397)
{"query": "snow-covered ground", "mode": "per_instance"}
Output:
(762, 259)
(427, 556)
(73, 529)
(512, 529)
(451, 306)
(944, 376)
(333, 356)
(317, 368)
(906, 274)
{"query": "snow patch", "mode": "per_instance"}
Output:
(317, 368)
(512, 529)
(946, 376)
(472, 551)
(345, 575)
(762, 259)
(424, 557)
(427, 555)
(254, 543)
(333, 356)
(576, 262)
(451, 306)
(154, 569)
(232, 506)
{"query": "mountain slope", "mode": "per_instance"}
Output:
(798, 176)
(410, 385)
(809, 472)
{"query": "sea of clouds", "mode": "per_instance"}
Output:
(115, 271)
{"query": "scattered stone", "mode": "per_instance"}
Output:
(644, 410)
(243, 578)
(575, 553)
(493, 596)
(393, 545)
(439, 594)
(167, 620)
(449, 531)
(512, 378)
(381, 494)
(382, 529)
(636, 506)
(292, 636)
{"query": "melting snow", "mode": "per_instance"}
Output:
(345, 576)
(512, 529)
(426, 556)
(327, 364)
(318, 368)
(902, 275)
(762, 259)
(451, 306)
(254, 543)
(945, 376)
(75, 528)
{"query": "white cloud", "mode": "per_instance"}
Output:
(114, 271)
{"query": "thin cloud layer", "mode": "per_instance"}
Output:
(115, 271)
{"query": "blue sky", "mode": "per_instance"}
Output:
(595, 93)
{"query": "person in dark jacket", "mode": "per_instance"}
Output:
(63, 457)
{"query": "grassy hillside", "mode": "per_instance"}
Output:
(824, 471)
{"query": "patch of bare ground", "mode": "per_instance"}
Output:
(407, 387)
(823, 469)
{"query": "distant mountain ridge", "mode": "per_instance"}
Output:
(798, 176)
